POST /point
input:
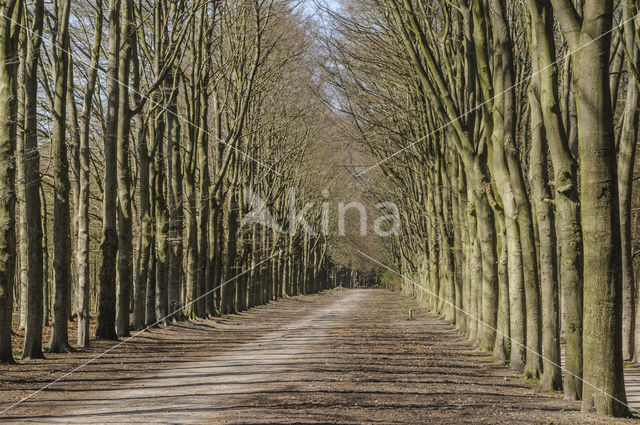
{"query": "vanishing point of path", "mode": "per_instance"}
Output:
(345, 357)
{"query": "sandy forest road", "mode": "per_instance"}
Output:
(340, 357)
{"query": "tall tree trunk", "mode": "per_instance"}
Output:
(84, 176)
(146, 231)
(144, 278)
(160, 211)
(457, 178)
(447, 281)
(204, 182)
(123, 172)
(9, 9)
(106, 327)
(626, 162)
(22, 260)
(567, 200)
(33, 209)
(162, 225)
(145, 298)
(59, 342)
(203, 203)
(46, 293)
(497, 118)
(175, 201)
(191, 246)
(541, 194)
(590, 38)
(505, 76)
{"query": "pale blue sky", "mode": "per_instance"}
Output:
(310, 4)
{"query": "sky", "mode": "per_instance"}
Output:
(310, 5)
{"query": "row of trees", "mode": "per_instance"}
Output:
(135, 136)
(506, 131)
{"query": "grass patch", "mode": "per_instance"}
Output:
(530, 382)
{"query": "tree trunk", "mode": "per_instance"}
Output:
(144, 287)
(84, 176)
(46, 293)
(567, 200)
(229, 288)
(504, 75)
(22, 260)
(212, 252)
(146, 233)
(541, 194)
(109, 244)
(8, 48)
(626, 162)
(203, 206)
(59, 342)
(159, 212)
(33, 209)
(602, 334)
(123, 172)
(191, 247)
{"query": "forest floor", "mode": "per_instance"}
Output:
(346, 357)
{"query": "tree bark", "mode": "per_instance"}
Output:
(84, 176)
(590, 38)
(228, 290)
(106, 327)
(547, 255)
(123, 173)
(9, 9)
(626, 162)
(175, 201)
(59, 342)
(33, 335)
(567, 200)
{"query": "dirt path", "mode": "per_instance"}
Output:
(341, 357)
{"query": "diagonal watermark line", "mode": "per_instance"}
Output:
(471, 316)
(514, 86)
(124, 341)
(142, 95)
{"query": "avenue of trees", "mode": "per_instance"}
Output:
(506, 132)
(135, 135)
(144, 145)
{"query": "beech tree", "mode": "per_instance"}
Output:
(84, 177)
(31, 184)
(10, 10)
(106, 328)
(59, 342)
